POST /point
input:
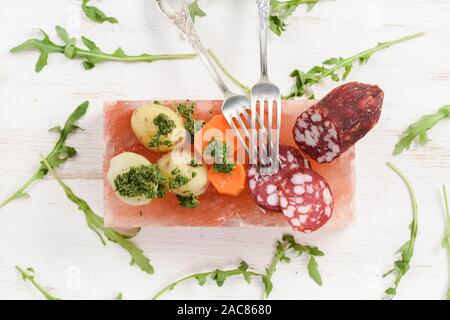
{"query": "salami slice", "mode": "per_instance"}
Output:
(306, 200)
(265, 188)
(338, 121)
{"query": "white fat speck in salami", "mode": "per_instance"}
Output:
(252, 184)
(307, 203)
(265, 188)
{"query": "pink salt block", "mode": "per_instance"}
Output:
(214, 209)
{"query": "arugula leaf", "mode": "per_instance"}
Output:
(402, 265)
(119, 296)
(96, 224)
(195, 11)
(420, 129)
(446, 240)
(332, 67)
(60, 153)
(280, 255)
(95, 14)
(92, 54)
(29, 275)
(312, 252)
(281, 10)
(218, 276)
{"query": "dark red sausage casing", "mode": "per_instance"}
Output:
(333, 125)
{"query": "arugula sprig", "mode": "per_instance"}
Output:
(92, 54)
(29, 275)
(97, 225)
(333, 67)
(95, 14)
(281, 10)
(420, 130)
(311, 252)
(60, 153)
(195, 10)
(282, 248)
(446, 240)
(219, 276)
(280, 256)
(402, 265)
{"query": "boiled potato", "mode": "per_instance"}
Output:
(179, 161)
(122, 163)
(142, 123)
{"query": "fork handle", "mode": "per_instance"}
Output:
(178, 13)
(263, 13)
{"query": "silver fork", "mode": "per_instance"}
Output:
(235, 107)
(266, 92)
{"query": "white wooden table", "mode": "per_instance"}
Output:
(48, 233)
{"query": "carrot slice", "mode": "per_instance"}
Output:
(231, 184)
(217, 128)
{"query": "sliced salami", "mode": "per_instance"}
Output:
(265, 188)
(338, 121)
(306, 200)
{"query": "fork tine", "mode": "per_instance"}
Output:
(270, 150)
(276, 152)
(243, 126)
(252, 132)
(236, 132)
(254, 116)
(263, 156)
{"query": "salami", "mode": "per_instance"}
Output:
(333, 125)
(265, 188)
(306, 200)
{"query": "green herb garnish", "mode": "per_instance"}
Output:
(406, 252)
(220, 151)
(195, 11)
(91, 55)
(95, 14)
(145, 180)
(446, 240)
(287, 243)
(97, 225)
(190, 202)
(190, 124)
(29, 275)
(420, 129)
(281, 10)
(177, 179)
(165, 127)
(330, 68)
(60, 153)
(195, 164)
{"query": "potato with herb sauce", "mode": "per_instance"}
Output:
(134, 179)
(183, 177)
(158, 127)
